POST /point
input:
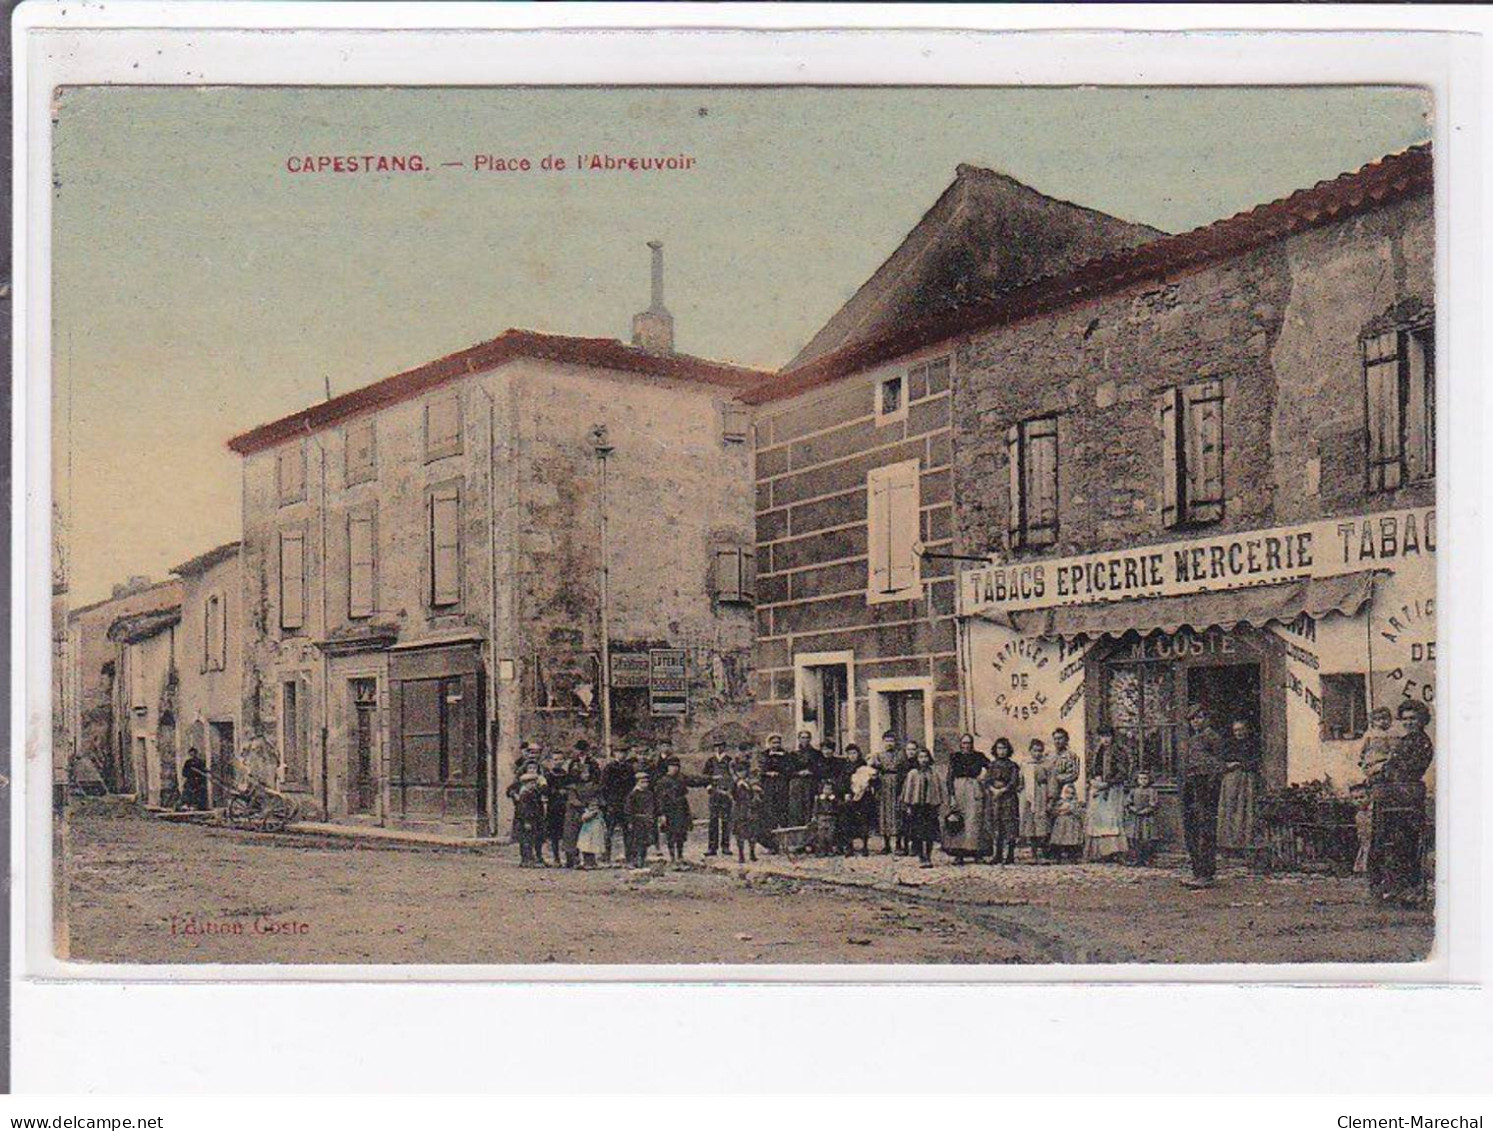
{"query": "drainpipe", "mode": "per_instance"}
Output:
(603, 448)
(326, 686)
(490, 738)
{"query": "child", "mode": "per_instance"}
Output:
(1363, 825)
(746, 804)
(1066, 837)
(1140, 811)
(528, 817)
(642, 820)
(824, 826)
(673, 800)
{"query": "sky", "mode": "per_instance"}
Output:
(200, 288)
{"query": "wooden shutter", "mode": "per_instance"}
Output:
(1203, 461)
(902, 527)
(221, 654)
(1040, 444)
(290, 472)
(1015, 515)
(1173, 510)
(878, 536)
(292, 579)
(445, 546)
(360, 565)
(733, 568)
(1381, 376)
(207, 633)
(442, 427)
(734, 421)
(1419, 348)
(359, 452)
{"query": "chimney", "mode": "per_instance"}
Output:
(653, 330)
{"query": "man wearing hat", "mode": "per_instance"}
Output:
(617, 778)
(642, 820)
(1397, 810)
(719, 782)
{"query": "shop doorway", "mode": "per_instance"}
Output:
(824, 710)
(220, 755)
(1230, 692)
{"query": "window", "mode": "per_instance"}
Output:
(361, 551)
(1032, 452)
(735, 418)
(1400, 401)
(892, 503)
(1344, 706)
(1192, 454)
(443, 541)
(139, 700)
(292, 580)
(214, 634)
(358, 452)
(891, 400)
(442, 427)
(825, 706)
(733, 574)
(290, 473)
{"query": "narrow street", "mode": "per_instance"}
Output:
(147, 891)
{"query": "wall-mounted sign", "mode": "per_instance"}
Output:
(668, 682)
(1236, 561)
(630, 670)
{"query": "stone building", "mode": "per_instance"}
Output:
(854, 471)
(119, 654)
(211, 651)
(423, 569)
(1204, 471)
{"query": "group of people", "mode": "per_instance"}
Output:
(979, 808)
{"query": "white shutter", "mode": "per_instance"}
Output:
(292, 580)
(1420, 404)
(878, 548)
(360, 557)
(902, 524)
(445, 549)
(727, 563)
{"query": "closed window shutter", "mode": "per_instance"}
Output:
(1015, 515)
(209, 616)
(222, 619)
(445, 564)
(360, 565)
(359, 454)
(734, 421)
(1170, 415)
(1420, 404)
(748, 559)
(292, 581)
(902, 531)
(878, 534)
(727, 573)
(1381, 372)
(291, 471)
(1041, 449)
(1204, 459)
(443, 426)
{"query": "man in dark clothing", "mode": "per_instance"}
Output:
(194, 781)
(557, 782)
(719, 782)
(673, 806)
(777, 768)
(1202, 773)
(1397, 808)
(802, 785)
(617, 779)
(642, 821)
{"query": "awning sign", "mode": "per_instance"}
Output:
(1248, 558)
(668, 682)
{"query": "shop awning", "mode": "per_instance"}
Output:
(1256, 605)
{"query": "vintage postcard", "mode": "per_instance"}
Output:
(739, 526)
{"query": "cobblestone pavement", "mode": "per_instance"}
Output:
(146, 891)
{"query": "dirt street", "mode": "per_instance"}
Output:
(145, 891)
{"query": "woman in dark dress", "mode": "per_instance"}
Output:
(776, 770)
(1239, 791)
(1003, 791)
(966, 785)
(194, 781)
(1397, 811)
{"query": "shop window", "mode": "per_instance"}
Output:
(361, 565)
(1139, 706)
(442, 427)
(892, 501)
(1191, 419)
(733, 574)
(292, 580)
(1032, 455)
(214, 634)
(735, 420)
(290, 473)
(1344, 706)
(1400, 406)
(359, 456)
(891, 399)
(443, 545)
